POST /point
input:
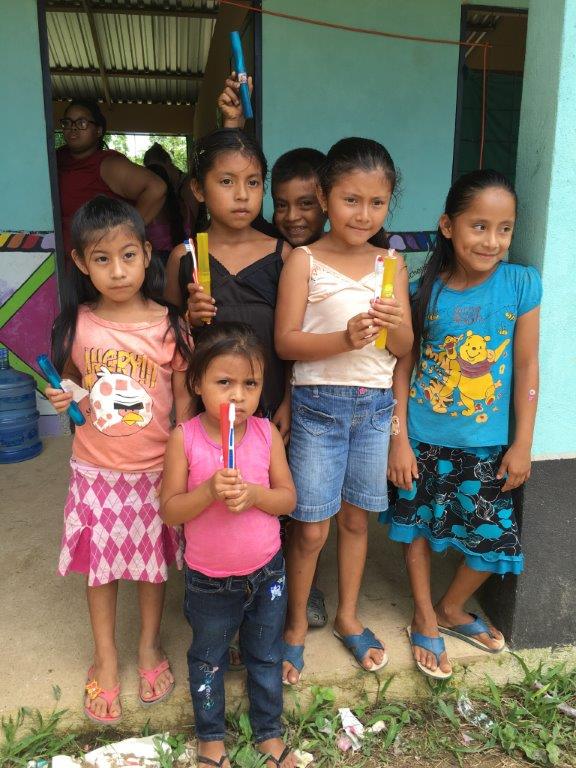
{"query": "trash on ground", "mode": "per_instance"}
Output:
(467, 710)
(566, 709)
(65, 761)
(352, 727)
(303, 759)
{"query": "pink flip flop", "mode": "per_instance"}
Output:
(151, 675)
(95, 691)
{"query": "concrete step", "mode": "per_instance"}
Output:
(46, 640)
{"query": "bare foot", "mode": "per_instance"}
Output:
(279, 755)
(149, 657)
(428, 627)
(105, 673)
(346, 626)
(214, 753)
(450, 617)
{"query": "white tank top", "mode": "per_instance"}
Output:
(333, 298)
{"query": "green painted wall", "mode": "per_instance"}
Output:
(546, 230)
(320, 85)
(26, 198)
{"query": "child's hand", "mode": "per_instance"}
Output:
(516, 462)
(281, 419)
(361, 330)
(388, 312)
(230, 104)
(225, 484)
(402, 466)
(246, 498)
(201, 306)
(59, 400)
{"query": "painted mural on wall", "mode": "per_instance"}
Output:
(28, 298)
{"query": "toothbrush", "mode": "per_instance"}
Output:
(189, 245)
(227, 417)
(231, 447)
(379, 272)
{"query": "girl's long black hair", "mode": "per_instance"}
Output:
(91, 222)
(206, 152)
(441, 259)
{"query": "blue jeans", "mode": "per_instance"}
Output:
(339, 449)
(216, 609)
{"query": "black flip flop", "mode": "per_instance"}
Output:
(208, 760)
(278, 760)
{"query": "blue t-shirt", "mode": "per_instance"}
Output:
(460, 395)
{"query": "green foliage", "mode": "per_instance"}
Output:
(174, 145)
(515, 724)
(177, 744)
(30, 736)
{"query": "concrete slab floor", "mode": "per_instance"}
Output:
(45, 634)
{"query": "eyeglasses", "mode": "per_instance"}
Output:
(81, 123)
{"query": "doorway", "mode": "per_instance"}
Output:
(504, 29)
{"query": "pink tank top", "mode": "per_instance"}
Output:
(220, 543)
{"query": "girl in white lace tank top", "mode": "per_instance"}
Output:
(327, 320)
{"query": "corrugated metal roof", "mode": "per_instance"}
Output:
(130, 42)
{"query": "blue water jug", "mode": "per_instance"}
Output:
(18, 415)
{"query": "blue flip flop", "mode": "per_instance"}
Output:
(436, 646)
(359, 645)
(467, 632)
(293, 654)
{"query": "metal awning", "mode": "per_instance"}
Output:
(129, 51)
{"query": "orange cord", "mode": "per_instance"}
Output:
(365, 31)
(483, 125)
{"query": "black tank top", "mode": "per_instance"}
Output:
(249, 297)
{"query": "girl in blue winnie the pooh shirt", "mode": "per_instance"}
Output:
(476, 320)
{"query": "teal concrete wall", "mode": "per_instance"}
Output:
(546, 233)
(26, 198)
(320, 85)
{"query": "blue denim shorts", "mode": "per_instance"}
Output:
(339, 449)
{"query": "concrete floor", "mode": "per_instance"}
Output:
(45, 635)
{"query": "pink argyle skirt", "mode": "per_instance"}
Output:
(112, 527)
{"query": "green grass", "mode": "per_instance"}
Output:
(493, 726)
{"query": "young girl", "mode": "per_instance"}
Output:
(476, 327)
(328, 320)
(228, 178)
(235, 568)
(128, 352)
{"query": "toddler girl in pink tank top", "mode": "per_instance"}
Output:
(235, 580)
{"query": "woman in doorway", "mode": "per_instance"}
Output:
(86, 169)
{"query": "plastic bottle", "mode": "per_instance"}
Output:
(18, 414)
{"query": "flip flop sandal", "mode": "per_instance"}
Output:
(95, 691)
(467, 632)
(436, 646)
(316, 608)
(294, 654)
(278, 760)
(209, 761)
(359, 645)
(151, 675)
